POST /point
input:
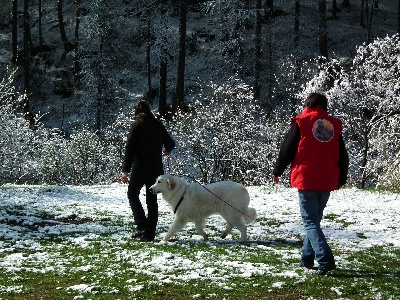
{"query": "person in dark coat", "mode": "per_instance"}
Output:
(318, 159)
(143, 158)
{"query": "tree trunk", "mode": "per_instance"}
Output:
(257, 64)
(362, 24)
(323, 39)
(334, 9)
(26, 106)
(269, 5)
(180, 86)
(14, 30)
(101, 86)
(270, 70)
(370, 21)
(162, 108)
(296, 48)
(296, 24)
(398, 17)
(346, 3)
(67, 46)
(26, 53)
(148, 58)
(365, 158)
(40, 24)
(76, 60)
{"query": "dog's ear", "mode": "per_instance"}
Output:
(171, 182)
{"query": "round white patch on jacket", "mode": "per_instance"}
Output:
(323, 130)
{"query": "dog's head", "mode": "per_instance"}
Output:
(164, 183)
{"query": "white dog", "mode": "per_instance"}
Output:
(195, 202)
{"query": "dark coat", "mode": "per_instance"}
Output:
(143, 151)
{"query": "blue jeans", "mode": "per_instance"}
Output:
(312, 205)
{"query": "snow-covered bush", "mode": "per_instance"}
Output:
(226, 135)
(42, 155)
(82, 158)
(366, 96)
(17, 141)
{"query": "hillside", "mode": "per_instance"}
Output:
(113, 43)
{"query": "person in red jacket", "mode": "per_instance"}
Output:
(318, 159)
(143, 157)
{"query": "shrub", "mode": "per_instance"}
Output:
(226, 135)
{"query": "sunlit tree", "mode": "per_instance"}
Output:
(366, 95)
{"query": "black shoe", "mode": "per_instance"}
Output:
(323, 272)
(310, 267)
(147, 236)
(138, 234)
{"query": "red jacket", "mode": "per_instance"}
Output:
(315, 150)
(316, 164)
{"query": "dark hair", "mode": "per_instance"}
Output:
(142, 110)
(316, 99)
(147, 123)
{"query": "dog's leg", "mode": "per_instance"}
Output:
(176, 226)
(200, 225)
(243, 230)
(228, 230)
(232, 221)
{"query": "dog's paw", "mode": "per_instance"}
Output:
(205, 237)
(162, 242)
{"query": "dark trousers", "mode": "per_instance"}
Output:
(142, 222)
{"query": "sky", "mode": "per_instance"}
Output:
(355, 219)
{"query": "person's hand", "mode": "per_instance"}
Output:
(276, 179)
(125, 178)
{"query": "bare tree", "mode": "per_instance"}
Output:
(370, 19)
(162, 108)
(257, 56)
(296, 41)
(76, 60)
(40, 23)
(334, 9)
(398, 17)
(67, 45)
(26, 107)
(362, 24)
(14, 30)
(269, 7)
(180, 86)
(148, 57)
(323, 39)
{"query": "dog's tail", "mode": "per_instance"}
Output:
(250, 216)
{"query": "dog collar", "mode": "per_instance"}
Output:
(180, 201)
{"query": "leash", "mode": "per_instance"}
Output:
(180, 201)
(227, 203)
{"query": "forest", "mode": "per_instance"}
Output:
(225, 76)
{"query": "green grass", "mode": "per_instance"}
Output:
(365, 274)
(95, 250)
